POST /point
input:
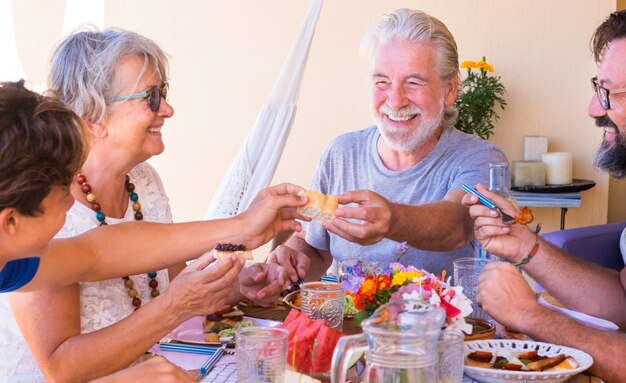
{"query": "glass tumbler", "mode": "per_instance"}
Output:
(451, 357)
(467, 270)
(261, 354)
(323, 300)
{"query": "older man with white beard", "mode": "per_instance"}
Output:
(579, 285)
(400, 180)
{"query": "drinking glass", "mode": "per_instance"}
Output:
(450, 356)
(467, 270)
(323, 300)
(261, 354)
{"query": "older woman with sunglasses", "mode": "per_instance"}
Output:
(117, 81)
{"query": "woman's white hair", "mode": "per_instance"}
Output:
(419, 28)
(83, 67)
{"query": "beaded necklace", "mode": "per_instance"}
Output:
(101, 217)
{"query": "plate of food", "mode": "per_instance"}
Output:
(513, 361)
(212, 328)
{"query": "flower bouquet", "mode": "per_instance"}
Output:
(369, 291)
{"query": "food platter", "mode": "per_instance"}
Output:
(191, 331)
(491, 375)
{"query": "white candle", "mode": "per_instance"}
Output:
(527, 173)
(558, 167)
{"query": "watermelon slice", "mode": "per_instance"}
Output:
(327, 339)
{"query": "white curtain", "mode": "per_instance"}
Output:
(257, 159)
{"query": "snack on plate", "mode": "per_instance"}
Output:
(223, 250)
(524, 216)
(319, 206)
(218, 326)
(525, 361)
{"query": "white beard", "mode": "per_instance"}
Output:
(407, 139)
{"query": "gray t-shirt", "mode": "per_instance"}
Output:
(351, 162)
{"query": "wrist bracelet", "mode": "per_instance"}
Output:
(530, 255)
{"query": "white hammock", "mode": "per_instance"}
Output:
(256, 162)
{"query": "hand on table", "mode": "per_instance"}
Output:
(154, 370)
(296, 264)
(505, 295)
(199, 289)
(262, 283)
(375, 212)
(272, 211)
(512, 242)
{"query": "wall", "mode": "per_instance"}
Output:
(225, 56)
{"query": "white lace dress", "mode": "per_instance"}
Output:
(101, 303)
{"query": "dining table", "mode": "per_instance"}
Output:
(225, 370)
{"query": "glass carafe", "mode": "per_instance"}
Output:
(400, 344)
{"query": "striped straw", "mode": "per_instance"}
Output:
(209, 364)
(484, 200)
(328, 278)
(188, 348)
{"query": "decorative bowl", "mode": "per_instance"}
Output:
(481, 329)
(490, 375)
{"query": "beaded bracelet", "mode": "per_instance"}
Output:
(530, 255)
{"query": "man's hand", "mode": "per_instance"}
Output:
(154, 370)
(262, 283)
(505, 295)
(512, 242)
(272, 211)
(374, 212)
(199, 289)
(295, 263)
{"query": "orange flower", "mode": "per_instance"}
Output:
(368, 288)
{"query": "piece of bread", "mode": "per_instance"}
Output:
(223, 250)
(568, 364)
(319, 205)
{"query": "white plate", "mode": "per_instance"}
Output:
(490, 375)
(589, 320)
(191, 331)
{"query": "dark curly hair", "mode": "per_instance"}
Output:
(42, 144)
(614, 27)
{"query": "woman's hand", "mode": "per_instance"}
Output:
(272, 211)
(154, 370)
(199, 290)
(262, 283)
(295, 263)
(512, 242)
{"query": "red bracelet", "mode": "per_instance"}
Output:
(530, 255)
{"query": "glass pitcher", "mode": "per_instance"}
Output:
(400, 344)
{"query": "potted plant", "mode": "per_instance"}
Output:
(478, 98)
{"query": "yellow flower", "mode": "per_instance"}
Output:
(488, 68)
(468, 64)
(402, 277)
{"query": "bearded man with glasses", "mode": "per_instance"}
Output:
(581, 286)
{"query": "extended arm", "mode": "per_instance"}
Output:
(103, 253)
(50, 322)
(505, 295)
(577, 284)
(438, 226)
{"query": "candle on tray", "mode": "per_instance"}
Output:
(529, 173)
(558, 167)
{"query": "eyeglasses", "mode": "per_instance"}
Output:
(603, 93)
(153, 95)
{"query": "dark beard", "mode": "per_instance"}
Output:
(611, 156)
